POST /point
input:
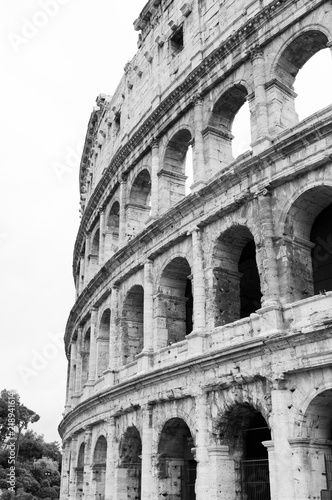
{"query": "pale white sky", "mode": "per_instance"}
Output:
(57, 56)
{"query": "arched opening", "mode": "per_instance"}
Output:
(94, 259)
(189, 173)
(244, 429)
(218, 135)
(250, 289)
(315, 74)
(103, 342)
(236, 283)
(132, 323)
(172, 176)
(80, 472)
(112, 230)
(99, 468)
(321, 254)
(177, 466)
(317, 456)
(281, 95)
(307, 245)
(85, 353)
(241, 131)
(138, 208)
(175, 307)
(130, 463)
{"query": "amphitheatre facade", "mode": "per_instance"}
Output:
(200, 345)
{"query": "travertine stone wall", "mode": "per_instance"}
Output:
(196, 319)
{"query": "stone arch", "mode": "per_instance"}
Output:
(85, 353)
(130, 459)
(112, 230)
(103, 341)
(291, 57)
(172, 174)
(99, 467)
(218, 134)
(133, 323)
(243, 429)
(175, 301)
(176, 462)
(236, 281)
(305, 250)
(80, 471)
(94, 257)
(138, 208)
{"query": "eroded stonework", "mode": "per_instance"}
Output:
(200, 346)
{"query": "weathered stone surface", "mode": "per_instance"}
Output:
(204, 313)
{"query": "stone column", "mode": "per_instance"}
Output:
(87, 474)
(122, 211)
(92, 356)
(147, 439)
(269, 277)
(73, 465)
(222, 473)
(154, 179)
(262, 139)
(101, 236)
(198, 156)
(110, 459)
(280, 454)
(203, 478)
(114, 332)
(65, 470)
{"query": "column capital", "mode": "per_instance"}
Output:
(154, 143)
(256, 52)
(196, 99)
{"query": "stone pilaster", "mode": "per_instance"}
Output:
(279, 452)
(222, 473)
(87, 473)
(115, 347)
(73, 465)
(122, 211)
(110, 458)
(93, 346)
(198, 156)
(199, 296)
(154, 179)
(65, 470)
(72, 371)
(79, 364)
(148, 306)
(270, 279)
(86, 260)
(203, 478)
(81, 276)
(148, 483)
(101, 236)
(261, 137)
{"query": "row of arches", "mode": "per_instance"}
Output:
(233, 283)
(226, 133)
(244, 436)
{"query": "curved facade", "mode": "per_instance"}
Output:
(199, 346)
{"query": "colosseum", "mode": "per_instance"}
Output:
(199, 346)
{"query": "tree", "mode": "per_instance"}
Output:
(14, 414)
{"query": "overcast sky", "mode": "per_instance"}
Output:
(57, 56)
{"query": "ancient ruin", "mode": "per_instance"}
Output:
(199, 345)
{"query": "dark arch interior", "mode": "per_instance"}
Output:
(176, 152)
(176, 460)
(227, 107)
(131, 458)
(104, 330)
(250, 288)
(132, 323)
(99, 455)
(176, 286)
(141, 188)
(95, 244)
(113, 219)
(321, 254)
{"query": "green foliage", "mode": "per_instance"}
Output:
(23, 416)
